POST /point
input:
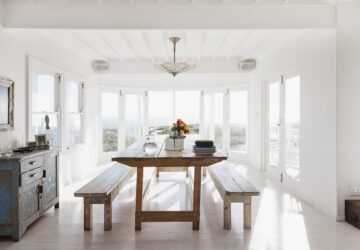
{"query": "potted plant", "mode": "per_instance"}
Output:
(175, 141)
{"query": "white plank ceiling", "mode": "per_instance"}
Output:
(153, 45)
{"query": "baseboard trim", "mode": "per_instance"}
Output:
(340, 218)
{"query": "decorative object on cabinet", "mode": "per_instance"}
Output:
(41, 140)
(29, 186)
(6, 104)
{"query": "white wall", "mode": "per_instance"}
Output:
(312, 55)
(348, 101)
(15, 45)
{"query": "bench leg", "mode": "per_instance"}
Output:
(107, 217)
(87, 217)
(157, 172)
(187, 172)
(139, 196)
(247, 213)
(204, 171)
(227, 212)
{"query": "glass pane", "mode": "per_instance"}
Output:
(208, 117)
(73, 129)
(133, 118)
(218, 119)
(187, 108)
(72, 97)
(274, 119)
(39, 127)
(238, 121)
(292, 125)
(44, 92)
(213, 117)
(160, 111)
(110, 121)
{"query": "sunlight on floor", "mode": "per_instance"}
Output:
(280, 221)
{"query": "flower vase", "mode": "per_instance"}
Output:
(174, 144)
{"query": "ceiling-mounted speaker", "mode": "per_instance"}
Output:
(247, 65)
(100, 66)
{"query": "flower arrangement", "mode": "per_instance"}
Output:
(179, 130)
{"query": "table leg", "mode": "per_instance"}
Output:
(197, 193)
(139, 190)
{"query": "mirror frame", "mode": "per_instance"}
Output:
(4, 82)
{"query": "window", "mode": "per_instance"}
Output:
(187, 108)
(45, 106)
(134, 114)
(73, 113)
(213, 118)
(61, 121)
(238, 121)
(110, 121)
(161, 111)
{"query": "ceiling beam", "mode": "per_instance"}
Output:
(128, 43)
(87, 45)
(240, 44)
(147, 43)
(221, 45)
(116, 15)
(263, 43)
(148, 68)
(202, 45)
(166, 45)
(110, 46)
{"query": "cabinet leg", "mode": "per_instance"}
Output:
(87, 217)
(57, 205)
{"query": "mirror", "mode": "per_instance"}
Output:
(6, 104)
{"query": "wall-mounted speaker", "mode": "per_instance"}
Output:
(100, 66)
(247, 65)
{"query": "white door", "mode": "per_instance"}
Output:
(283, 130)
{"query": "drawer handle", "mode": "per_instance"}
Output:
(41, 189)
(32, 162)
(33, 175)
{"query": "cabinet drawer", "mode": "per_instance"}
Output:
(31, 176)
(31, 163)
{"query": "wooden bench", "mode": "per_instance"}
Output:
(233, 187)
(103, 189)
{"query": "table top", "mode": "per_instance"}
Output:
(134, 156)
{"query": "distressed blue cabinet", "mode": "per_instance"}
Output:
(29, 185)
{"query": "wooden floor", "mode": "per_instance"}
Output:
(280, 221)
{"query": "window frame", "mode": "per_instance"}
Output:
(225, 91)
(237, 155)
(77, 80)
(61, 76)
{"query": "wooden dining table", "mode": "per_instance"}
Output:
(135, 156)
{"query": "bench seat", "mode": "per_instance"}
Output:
(233, 187)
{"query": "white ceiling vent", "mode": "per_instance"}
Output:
(100, 66)
(247, 65)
